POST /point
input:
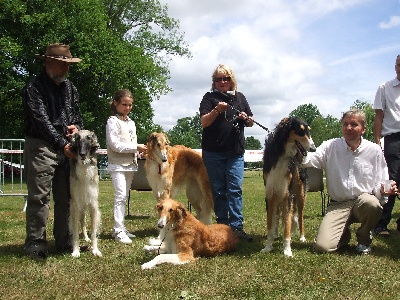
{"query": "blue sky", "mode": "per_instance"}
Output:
(284, 53)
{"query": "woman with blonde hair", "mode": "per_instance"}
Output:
(224, 112)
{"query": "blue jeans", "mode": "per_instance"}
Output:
(225, 171)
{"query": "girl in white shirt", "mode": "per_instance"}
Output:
(122, 150)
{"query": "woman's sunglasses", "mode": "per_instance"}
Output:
(219, 79)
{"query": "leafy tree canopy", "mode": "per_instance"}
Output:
(122, 44)
(252, 143)
(325, 128)
(368, 109)
(307, 112)
(187, 132)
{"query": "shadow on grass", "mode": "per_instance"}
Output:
(12, 250)
(150, 232)
(137, 217)
(245, 248)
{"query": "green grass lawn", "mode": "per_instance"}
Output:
(244, 274)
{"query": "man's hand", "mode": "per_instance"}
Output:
(68, 153)
(391, 191)
(71, 129)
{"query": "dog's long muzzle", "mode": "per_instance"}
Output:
(164, 157)
(162, 222)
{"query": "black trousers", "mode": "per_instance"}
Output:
(392, 156)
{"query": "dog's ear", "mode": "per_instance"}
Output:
(158, 207)
(167, 140)
(94, 144)
(181, 212)
(152, 137)
(73, 142)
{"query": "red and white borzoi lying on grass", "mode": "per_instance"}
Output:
(184, 238)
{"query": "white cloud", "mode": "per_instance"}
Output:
(282, 53)
(393, 22)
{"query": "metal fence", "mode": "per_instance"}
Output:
(12, 168)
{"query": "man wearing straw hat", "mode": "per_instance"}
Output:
(51, 114)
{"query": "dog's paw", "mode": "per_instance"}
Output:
(96, 252)
(148, 248)
(267, 249)
(154, 249)
(288, 252)
(76, 254)
(147, 266)
(85, 237)
(154, 242)
(303, 239)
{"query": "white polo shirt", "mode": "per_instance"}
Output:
(387, 98)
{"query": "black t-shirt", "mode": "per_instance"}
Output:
(226, 133)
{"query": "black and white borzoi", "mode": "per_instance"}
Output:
(84, 187)
(285, 182)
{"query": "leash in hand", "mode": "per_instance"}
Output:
(255, 122)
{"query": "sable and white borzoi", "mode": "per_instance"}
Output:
(184, 238)
(84, 187)
(285, 185)
(168, 168)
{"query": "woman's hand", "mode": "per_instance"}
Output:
(249, 120)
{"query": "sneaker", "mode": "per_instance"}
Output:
(242, 235)
(123, 238)
(115, 233)
(362, 249)
(382, 232)
(130, 235)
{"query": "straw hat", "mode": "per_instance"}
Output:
(59, 52)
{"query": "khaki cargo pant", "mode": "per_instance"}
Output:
(334, 231)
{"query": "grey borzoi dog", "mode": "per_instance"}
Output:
(84, 187)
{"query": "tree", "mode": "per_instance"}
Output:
(325, 128)
(307, 112)
(187, 132)
(252, 143)
(367, 108)
(123, 44)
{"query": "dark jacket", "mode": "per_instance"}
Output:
(49, 108)
(226, 133)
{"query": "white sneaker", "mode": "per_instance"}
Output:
(130, 235)
(115, 233)
(362, 249)
(123, 238)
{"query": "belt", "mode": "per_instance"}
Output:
(393, 135)
(334, 201)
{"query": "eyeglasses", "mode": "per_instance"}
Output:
(219, 79)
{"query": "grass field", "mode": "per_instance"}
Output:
(244, 274)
